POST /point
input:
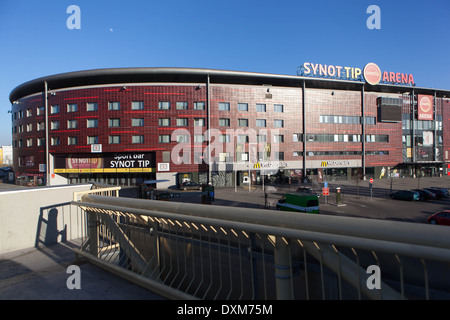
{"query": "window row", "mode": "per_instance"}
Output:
(347, 120)
(340, 153)
(323, 137)
(260, 107)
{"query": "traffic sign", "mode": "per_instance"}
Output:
(325, 191)
(371, 180)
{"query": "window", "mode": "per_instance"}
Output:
(54, 125)
(92, 106)
(92, 139)
(114, 139)
(29, 112)
(243, 106)
(72, 107)
(137, 122)
(137, 105)
(260, 107)
(224, 122)
(261, 138)
(163, 105)
(72, 141)
(278, 138)
(199, 105)
(164, 138)
(166, 156)
(242, 138)
(164, 122)
(224, 106)
(55, 141)
(224, 138)
(182, 105)
(260, 123)
(29, 142)
(40, 126)
(114, 122)
(29, 127)
(114, 106)
(72, 124)
(40, 111)
(183, 138)
(182, 122)
(199, 122)
(137, 139)
(199, 138)
(41, 142)
(278, 108)
(279, 155)
(278, 123)
(92, 123)
(54, 109)
(223, 157)
(243, 122)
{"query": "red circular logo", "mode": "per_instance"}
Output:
(372, 73)
(425, 104)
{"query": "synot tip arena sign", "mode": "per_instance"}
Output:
(371, 73)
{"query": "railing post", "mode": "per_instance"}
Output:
(283, 272)
(92, 226)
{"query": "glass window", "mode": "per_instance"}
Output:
(72, 141)
(54, 125)
(224, 122)
(137, 105)
(224, 106)
(243, 106)
(164, 138)
(164, 122)
(92, 123)
(278, 138)
(278, 123)
(260, 123)
(199, 138)
(164, 105)
(243, 122)
(278, 108)
(182, 122)
(92, 106)
(137, 122)
(55, 141)
(224, 138)
(137, 139)
(114, 139)
(199, 122)
(183, 138)
(113, 106)
(182, 105)
(54, 109)
(260, 107)
(199, 105)
(114, 123)
(72, 124)
(72, 107)
(92, 139)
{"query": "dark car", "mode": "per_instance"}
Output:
(189, 185)
(440, 193)
(307, 190)
(425, 195)
(440, 217)
(405, 195)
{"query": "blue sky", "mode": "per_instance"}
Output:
(246, 35)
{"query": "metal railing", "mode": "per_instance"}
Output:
(98, 189)
(191, 251)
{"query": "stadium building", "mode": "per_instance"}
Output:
(127, 125)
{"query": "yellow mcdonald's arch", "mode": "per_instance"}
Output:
(257, 166)
(323, 164)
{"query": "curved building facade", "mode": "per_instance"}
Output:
(124, 126)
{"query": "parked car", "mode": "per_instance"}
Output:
(440, 193)
(425, 195)
(307, 190)
(405, 195)
(440, 217)
(190, 185)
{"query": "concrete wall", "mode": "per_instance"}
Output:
(37, 216)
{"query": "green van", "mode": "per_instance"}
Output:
(299, 202)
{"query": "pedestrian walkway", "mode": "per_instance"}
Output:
(41, 274)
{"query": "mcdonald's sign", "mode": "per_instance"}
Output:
(323, 164)
(257, 166)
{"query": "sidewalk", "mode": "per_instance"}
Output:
(41, 274)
